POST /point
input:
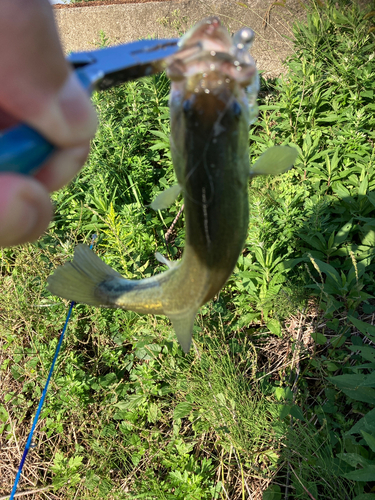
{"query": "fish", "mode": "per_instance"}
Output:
(214, 87)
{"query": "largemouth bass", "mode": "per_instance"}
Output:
(212, 102)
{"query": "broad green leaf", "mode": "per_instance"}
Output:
(331, 367)
(362, 190)
(160, 134)
(370, 440)
(272, 456)
(366, 423)
(364, 394)
(353, 459)
(354, 386)
(343, 233)
(367, 93)
(152, 412)
(3, 414)
(328, 118)
(371, 198)
(365, 496)
(274, 327)
(335, 159)
(319, 338)
(331, 240)
(147, 352)
(365, 474)
(283, 393)
(367, 353)
(363, 327)
(368, 308)
(348, 381)
(370, 379)
(284, 411)
(328, 270)
(107, 380)
(338, 341)
(296, 412)
(273, 492)
(133, 401)
(75, 462)
(341, 191)
(182, 410)
(58, 462)
(369, 238)
(291, 263)
(317, 241)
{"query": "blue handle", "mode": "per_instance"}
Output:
(22, 149)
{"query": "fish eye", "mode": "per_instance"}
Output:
(236, 109)
(186, 105)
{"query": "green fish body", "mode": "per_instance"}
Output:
(212, 103)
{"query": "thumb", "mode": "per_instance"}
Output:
(25, 209)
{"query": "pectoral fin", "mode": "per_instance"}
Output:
(183, 326)
(274, 161)
(166, 198)
(164, 260)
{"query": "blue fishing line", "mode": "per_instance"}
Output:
(36, 418)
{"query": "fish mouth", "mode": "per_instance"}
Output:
(209, 59)
(213, 69)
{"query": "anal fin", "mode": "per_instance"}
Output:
(183, 326)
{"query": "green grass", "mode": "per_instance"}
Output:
(276, 396)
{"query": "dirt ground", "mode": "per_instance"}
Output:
(102, 2)
(80, 25)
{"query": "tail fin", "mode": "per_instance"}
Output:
(79, 279)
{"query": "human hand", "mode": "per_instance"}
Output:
(37, 87)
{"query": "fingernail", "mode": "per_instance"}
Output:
(26, 214)
(70, 118)
(76, 107)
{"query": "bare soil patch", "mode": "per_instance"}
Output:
(104, 2)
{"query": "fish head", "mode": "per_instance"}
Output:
(214, 83)
(212, 63)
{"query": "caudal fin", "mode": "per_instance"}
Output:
(89, 280)
(78, 280)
